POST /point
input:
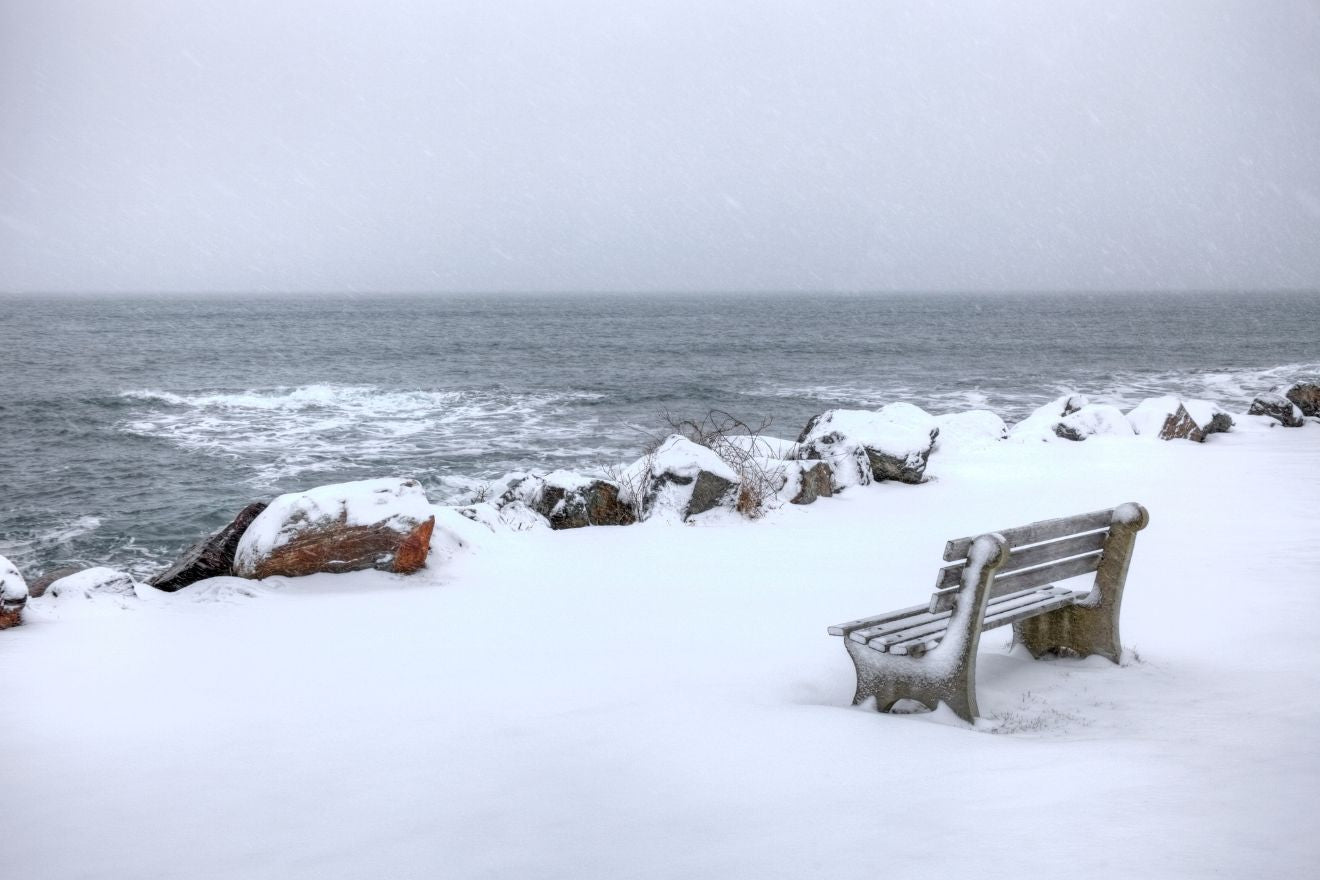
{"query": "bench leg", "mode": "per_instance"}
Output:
(1090, 626)
(948, 673)
(887, 679)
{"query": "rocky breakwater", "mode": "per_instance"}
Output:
(383, 524)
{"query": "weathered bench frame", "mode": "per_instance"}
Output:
(927, 653)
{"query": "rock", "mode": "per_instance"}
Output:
(1092, 420)
(570, 501)
(680, 480)
(814, 481)
(382, 524)
(893, 443)
(969, 430)
(1044, 420)
(1171, 418)
(1277, 407)
(1306, 397)
(92, 582)
(210, 557)
(39, 586)
(13, 594)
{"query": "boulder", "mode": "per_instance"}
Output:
(13, 594)
(92, 582)
(1172, 418)
(210, 557)
(1306, 397)
(1277, 407)
(1044, 420)
(570, 501)
(1093, 420)
(381, 524)
(680, 480)
(893, 443)
(813, 480)
(39, 586)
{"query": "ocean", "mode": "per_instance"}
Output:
(132, 425)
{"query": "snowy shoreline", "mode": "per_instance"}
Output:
(657, 701)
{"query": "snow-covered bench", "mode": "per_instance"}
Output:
(927, 652)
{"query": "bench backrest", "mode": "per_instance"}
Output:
(1039, 554)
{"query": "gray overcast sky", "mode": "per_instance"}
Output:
(321, 145)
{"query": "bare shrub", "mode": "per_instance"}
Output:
(717, 430)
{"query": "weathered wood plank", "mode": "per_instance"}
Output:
(938, 623)
(943, 600)
(1045, 530)
(843, 629)
(1051, 600)
(1030, 556)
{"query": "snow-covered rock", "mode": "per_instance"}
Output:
(93, 582)
(1305, 396)
(561, 499)
(13, 594)
(213, 556)
(1277, 407)
(679, 480)
(969, 430)
(1041, 424)
(383, 524)
(794, 482)
(1172, 418)
(893, 443)
(1092, 420)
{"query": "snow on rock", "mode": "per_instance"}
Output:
(678, 481)
(1091, 420)
(213, 556)
(92, 582)
(1278, 407)
(1173, 418)
(893, 443)
(1041, 424)
(563, 499)
(796, 482)
(969, 430)
(1306, 396)
(13, 594)
(383, 524)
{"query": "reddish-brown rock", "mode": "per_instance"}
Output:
(1306, 396)
(379, 524)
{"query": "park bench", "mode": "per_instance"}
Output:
(927, 653)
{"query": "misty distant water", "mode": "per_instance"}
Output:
(130, 426)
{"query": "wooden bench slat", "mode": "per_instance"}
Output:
(868, 635)
(1028, 557)
(938, 623)
(1052, 601)
(1045, 530)
(943, 600)
(843, 629)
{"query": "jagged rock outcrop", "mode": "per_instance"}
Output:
(92, 582)
(13, 594)
(861, 446)
(1172, 418)
(1305, 396)
(1277, 407)
(1093, 420)
(212, 556)
(381, 524)
(1043, 422)
(680, 480)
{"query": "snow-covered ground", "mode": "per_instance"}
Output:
(662, 701)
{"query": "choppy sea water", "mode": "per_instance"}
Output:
(129, 426)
